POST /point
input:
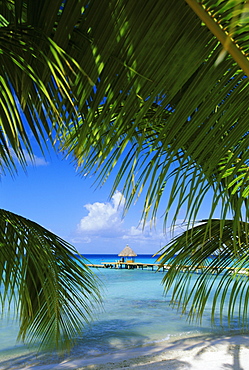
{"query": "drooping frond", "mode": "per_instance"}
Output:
(52, 289)
(167, 103)
(205, 266)
(227, 20)
(37, 79)
(128, 74)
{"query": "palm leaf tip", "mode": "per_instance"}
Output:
(209, 272)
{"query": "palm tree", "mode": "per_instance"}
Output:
(140, 79)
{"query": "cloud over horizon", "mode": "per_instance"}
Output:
(104, 224)
(104, 228)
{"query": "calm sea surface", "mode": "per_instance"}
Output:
(135, 312)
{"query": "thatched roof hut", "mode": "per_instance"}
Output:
(127, 252)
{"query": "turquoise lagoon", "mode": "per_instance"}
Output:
(135, 312)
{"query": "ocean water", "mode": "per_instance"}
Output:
(135, 312)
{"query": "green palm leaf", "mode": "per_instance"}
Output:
(37, 76)
(52, 289)
(213, 270)
(174, 107)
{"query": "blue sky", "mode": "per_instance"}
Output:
(52, 194)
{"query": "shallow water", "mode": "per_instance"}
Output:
(135, 312)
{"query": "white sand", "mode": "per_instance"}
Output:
(197, 353)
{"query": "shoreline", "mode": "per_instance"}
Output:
(197, 352)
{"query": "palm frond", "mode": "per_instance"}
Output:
(171, 106)
(225, 20)
(205, 267)
(52, 289)
(37, 76)
(165, 94)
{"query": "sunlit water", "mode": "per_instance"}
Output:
(135, 312)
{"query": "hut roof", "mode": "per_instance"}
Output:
(127, 252)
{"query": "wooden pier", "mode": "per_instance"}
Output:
(129, 265)
(157, 267)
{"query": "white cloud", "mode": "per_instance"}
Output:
(103, 228)
(81, 240)
(143, 233)
(39, 161)
(103, 216)
(134, 231)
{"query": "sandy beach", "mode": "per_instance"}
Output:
(194, 353)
